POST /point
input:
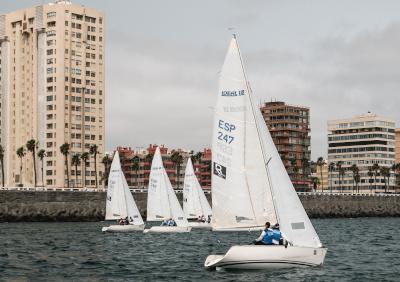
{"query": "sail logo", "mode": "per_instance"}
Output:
(241, 218)
(232, 93)
(219, 170)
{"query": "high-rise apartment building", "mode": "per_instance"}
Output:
(362, 141)
(397, 147)
(52, 81)
(290, 129)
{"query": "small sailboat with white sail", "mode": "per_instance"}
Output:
(162, 203)
(250, 185)
(195, 204)
(120, 203)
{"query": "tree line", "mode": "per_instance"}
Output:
(373, 173)
(32, 148)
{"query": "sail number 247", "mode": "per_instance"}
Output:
(225, 129)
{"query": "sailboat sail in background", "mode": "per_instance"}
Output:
(162, 203)
(250, 184)
(120, 203)
(195, 203)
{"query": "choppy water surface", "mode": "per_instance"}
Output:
(365, 249)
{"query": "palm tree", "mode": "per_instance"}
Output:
(320, 163)
(41, 154)
(2, 164)
(93, 151)
(84, 158)
(370, 175)
(20, 154)
(106, 161)
(385, 171)
(305, 163)
(331, 168)
(177, 159)
(375, 169)
(354, 169)
(31, 146)
(339, 169)
(149, 157)
(136, 167)
(64, 149)
(315, 182)
(396, 170)
(76, 161)
(342, 173)
(358, 179)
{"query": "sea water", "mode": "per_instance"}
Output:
(359, 249)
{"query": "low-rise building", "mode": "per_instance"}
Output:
(136, 165)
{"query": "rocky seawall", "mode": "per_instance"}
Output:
(90, 206)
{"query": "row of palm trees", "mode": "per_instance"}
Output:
(32, 146)
(373, 172)
(76, 161)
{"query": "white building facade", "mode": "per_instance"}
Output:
(362, 141)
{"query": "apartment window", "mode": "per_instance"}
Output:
(51, 14)
(49, 98)
(51, 33)
(49, 52)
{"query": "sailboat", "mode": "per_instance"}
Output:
(162, 203)
(250, 185)
(195, 203)
(120, 202)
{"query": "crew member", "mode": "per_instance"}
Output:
(266, 236)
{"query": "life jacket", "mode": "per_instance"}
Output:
(277, 235)
(269, 234)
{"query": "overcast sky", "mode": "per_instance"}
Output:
(340, 58)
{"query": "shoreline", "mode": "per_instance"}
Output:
(68, 206)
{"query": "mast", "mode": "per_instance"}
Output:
(250, 93)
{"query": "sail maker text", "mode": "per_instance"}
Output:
(232, 93)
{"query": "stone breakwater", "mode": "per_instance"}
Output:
(90, 206)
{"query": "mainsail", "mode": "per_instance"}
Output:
(241, 197)
(120, 202)
(195, 203)
(162, 203)
(249, 180)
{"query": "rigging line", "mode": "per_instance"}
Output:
(244, 129)
(250, 93)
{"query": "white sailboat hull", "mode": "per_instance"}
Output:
(266, 257)
(200, 225)
(168, 229)
(239, 229)
(123, 228)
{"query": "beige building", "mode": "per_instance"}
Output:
(397, 148)
(52, 81)
(362, 141)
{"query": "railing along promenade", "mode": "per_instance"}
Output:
(179, 191)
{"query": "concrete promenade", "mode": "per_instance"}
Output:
(70, 205)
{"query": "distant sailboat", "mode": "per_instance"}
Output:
(250, 184)
(195, 203)
(120, 202)
(162, 203)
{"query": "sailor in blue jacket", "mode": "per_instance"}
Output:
(266, 237)
(277, 237)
